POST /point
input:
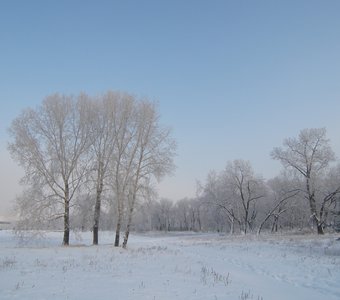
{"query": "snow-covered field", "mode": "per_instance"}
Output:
(172, 266)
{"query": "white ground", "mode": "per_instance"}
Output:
(172, 266)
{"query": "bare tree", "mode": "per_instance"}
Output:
(281, 191)
(124, 154)
(51, 144)
(328, 192)
(235, 191)
(309, 155)
(104, 142)
(152, 156)
(216, 192)
(247, 188)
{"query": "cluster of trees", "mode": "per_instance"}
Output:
(91, 163)
(90, 155)
(304, 195)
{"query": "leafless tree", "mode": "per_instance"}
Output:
(281, 191)
(246, 188)
(235, 191)
(215, 191)
(328, 192)
(151, 156)
(309, 155)
(51, 144)
(103, 129)
(124, 154)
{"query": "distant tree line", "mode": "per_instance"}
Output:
(91, 163)
(237, 200)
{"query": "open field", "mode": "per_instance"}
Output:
(171, 266)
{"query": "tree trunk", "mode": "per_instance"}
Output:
(275, 224)
(96, 221)
(199, 220)
(97, 214)
(119, 225)
(126, 237)
(127, 231)
(119, 218)
(312, 204)
(320, 228)
(95, 233)
(246, 222)
(261, 225)
(66, 239)
(232, 223)
(118, 233)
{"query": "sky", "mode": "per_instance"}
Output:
(233, 79)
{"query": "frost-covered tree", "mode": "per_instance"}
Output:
(113, 143)
(235, 191)
(103, 130)
(329, 193)
(281, 191)
(246, 188)
(215, 192)
(151, 156)
(309, 155)
(51, 144)
(336, 215)
(124, 155)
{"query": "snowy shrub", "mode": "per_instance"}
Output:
(7, 263)
(248, 295)
(213, 276)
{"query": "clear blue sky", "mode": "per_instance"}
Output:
(233, 78)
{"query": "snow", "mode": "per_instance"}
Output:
(171, 266)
